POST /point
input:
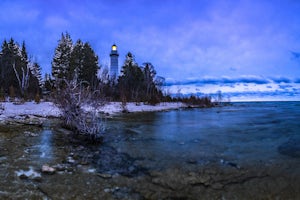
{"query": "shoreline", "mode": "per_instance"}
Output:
(31, 110)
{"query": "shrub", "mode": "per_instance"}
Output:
(1, 108)
(70, 99)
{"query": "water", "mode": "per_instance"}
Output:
(244, 132)
(246, 150)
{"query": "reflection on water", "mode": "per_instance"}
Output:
(244, 132)
(46, 144)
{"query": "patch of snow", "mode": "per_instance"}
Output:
(115, 107)
(29, 174)
(43, 109)
(48, 109)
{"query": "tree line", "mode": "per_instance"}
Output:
(19, 75)
(79, 62)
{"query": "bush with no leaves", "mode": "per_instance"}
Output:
(70, 99)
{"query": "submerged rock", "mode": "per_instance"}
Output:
(46, 169)
(105, 176)
(290, 148)
(30, 134)
(29, 174)
(110, 161)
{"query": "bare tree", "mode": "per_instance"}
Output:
(70, 100)
(24, 81)
(2, 108)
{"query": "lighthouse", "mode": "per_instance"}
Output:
(114, 62)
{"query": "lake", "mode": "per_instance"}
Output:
(241, 151)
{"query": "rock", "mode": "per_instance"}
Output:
(23, 176)
(231, 164)
(60, 167)
(290, 148)
(105, 176)
(217, 186)
(70, 160)
(30, 174)
(48, 170)
(30, 134)
(191, 161)
(107, 190)
(204, 179)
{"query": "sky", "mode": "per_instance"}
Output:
(246, 45)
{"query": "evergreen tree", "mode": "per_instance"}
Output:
(76, 60)
(15, 71)
(4, 62)
(10, 55)
(149, 76)
(131, 80)
(24, 55)
(90, 67)
(37, 73)
(84, 63)
(61, 58)
(48, 84)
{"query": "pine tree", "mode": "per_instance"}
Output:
(37, 73)
(90, 66)
(149, 76)
(16, 70)
(84, 63)
(61, 58)
(131, 80)
(48, 84)
(76, 60)
(3, 64)
(10, 55)
(24, 55)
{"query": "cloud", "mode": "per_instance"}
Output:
(295, 55)
(18, 13)
(56, 22)
(281, 80)
(297, 80)
(222, 80)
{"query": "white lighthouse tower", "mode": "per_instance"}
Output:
(114, 62)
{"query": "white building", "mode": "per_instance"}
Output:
(114, 62)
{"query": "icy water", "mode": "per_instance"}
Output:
(241, 151)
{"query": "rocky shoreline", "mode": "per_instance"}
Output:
(77, 169)
(95, 172)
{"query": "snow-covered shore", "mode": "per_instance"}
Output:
(48, 109)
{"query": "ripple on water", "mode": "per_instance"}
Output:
(291, 148)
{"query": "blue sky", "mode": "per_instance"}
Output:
(186, 40)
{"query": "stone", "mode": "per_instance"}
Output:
(61, 167)
(107, 190)
(217, 186)
(105, 176)
(31, 134)
(204, 179)
(70, 160)
(30, 174)
(48, 170)
(191, 161)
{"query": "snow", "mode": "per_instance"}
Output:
(115, 107)
(44, 109)
(48, 109)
